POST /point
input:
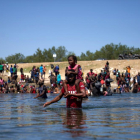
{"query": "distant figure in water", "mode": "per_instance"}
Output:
(42, 90)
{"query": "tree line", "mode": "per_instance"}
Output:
(109, 51)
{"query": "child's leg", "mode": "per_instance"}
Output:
(65, 86)
(77, 85)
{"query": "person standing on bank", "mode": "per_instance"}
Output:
(41, 70)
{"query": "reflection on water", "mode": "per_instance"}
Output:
(114, 117)
(74, 120)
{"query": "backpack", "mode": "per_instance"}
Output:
(52, 66)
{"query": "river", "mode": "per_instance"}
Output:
(111, 118)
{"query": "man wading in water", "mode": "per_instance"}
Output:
(74, 99)
(42, 90)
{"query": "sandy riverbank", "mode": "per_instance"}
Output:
(86, 66)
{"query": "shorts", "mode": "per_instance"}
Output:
(43, 72)
(1, 71)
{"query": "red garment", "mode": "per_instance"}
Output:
(87, 80)
(22, 76)
(72, 101)
(92, 73)
(102, 82)
(34, 91)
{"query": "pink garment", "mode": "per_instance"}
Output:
(79, 75)
(1, 81)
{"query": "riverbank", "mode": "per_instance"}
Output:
(86, 66)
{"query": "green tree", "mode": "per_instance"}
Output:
(17, 58)
(38, 56)
(61, 53)
(2, 60)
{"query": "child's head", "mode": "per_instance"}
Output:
(72, 59)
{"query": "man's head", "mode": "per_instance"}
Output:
(71, 77)
(41, 83)
(91, 70)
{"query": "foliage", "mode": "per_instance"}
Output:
(17, 58)
(109, 51)
(2, 60)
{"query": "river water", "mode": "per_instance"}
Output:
(110, 118)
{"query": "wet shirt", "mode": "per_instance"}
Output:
(41, 89)
(72, 101)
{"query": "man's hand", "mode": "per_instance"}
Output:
(45, 104)
(68, 72)
(67, 94)
(35, 97)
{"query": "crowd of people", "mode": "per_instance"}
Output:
(74, 87)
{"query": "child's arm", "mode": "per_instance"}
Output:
(65, 86)
(82, 94)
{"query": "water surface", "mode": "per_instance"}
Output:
(112, 118)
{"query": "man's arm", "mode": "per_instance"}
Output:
(39, 95)
(56, 99)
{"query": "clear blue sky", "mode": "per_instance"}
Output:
(79, 25)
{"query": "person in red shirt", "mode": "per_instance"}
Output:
(87, 81)
(74, 99)
(92, 73)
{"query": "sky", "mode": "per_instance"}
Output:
(79, 25)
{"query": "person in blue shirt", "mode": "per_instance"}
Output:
(36, 76)
(56, 70)
(58, 78)
(11, 70)
(41, 70)
(9, 81)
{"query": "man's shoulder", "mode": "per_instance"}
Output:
(81, 84)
